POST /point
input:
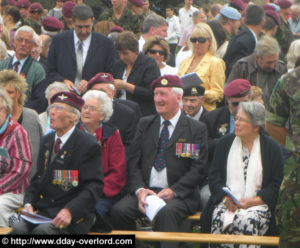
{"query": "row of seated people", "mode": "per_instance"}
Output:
(168, 158)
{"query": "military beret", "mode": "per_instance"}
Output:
(138, 3)
(167, 81)
(268, 7)
(237, 88)
(193, 91)
(246, 1)
(67, 9)
(36, 7)
(238, 4)
(230, 13)
(100, 78)
(23, 4)
(273, 15)
(69, 98)
(284, 4)
(275, 6)
(117, 29)
(51, 23)
(12, 2)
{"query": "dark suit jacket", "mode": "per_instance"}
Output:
(82, 153)
(62, 57)
(240, 45)
(144, 71)
(184, 174)
(272, 175)
(203, 114)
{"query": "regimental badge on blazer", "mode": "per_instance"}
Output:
(187, 150)
(223, 129)
(65, 179)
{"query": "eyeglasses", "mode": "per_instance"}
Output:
(88, 107)
(235, 104)
(20, 40)
(160, 52)
(241, 119)
(57, 107)
(199, 39)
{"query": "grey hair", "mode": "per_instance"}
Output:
(75, 111)
(36, 38)
(105, 102)
(293, 54)
(56, 85)
(3, 50)
(153, 20)
(6, 100)
(256, 111)
(178, 91)
(26, 29)
(196, 13)
(267, 45)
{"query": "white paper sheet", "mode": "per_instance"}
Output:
(154, 205)
(35, 218)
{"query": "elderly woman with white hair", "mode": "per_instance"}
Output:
(208, 67)
(95, 114)
(249, 163)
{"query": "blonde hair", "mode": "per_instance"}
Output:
(204, 30)
(293, 54)
(255, 92)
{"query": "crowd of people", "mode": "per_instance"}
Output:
(99, 110)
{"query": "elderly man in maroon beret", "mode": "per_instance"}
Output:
(69, 178)
(167, 162)
(52, 26)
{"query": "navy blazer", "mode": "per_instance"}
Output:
(62, 57)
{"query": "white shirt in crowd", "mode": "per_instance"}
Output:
(174, 30)
(186, 17)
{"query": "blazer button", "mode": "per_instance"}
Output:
(52, 201)
(41, 196)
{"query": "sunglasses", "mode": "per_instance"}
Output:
(153, 51)
(199, 39)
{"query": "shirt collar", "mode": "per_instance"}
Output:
(85, 42)
(173, 120)
(197, 115)
(66, 136)
(22, 61)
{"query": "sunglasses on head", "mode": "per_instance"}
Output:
(199, 39)
(153, 51)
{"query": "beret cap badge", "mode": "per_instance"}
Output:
(194, 91)
(164, 81)
(62, 97)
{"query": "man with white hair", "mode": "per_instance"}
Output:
(25, 65)
(167, 161)
(294, 21)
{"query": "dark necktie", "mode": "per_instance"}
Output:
(16, 66)
(160, 161)
(57, 145)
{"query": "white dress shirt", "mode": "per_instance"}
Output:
(186, 17)
(85, 46)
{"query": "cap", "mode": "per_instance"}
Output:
(101, 77)
(167, 81)
(237, 88)
(238, 4)
(12, 2)
(268, 7)
(51, 23)
(117, 29)
(36, 7)
(67, 9)
(273, 15)
(138, 3)
(230, 13)
(193, 91)
(23, 4)
(275, 6)
(246, 1)
(69, 98)
(284, 4)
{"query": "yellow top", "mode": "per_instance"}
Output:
(211, 70)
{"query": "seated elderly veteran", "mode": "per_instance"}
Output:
(124, 117)
(96, 112)
(249, 163)
(16, 164)
(166, 159)
(69, 178)
(193, 100)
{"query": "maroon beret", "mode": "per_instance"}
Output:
(167, 81)
(69, 98)
(36, 7)
(51, 23)
(117, 29)
(273, 15)
(101, 77)
(67, 9)
(238, 4)
(237, 88)
(284, 4)
(268, 7)
(246, 1)
(12, 2)
(23, 4)
(138, 3)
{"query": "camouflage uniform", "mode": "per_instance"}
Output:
(37, 26)
(128, 20)
(285, 106)
(284, 37)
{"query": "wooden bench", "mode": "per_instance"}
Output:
(194, 217)
(4, 230)
(198, 237)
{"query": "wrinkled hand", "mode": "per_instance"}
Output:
(82, 86)
(62, 219)
(70, 84)
(231, 206)
(166, 194)
(250, 202)
(119, 84)
(141, 198)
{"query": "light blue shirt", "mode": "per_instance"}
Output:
(22, 62)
